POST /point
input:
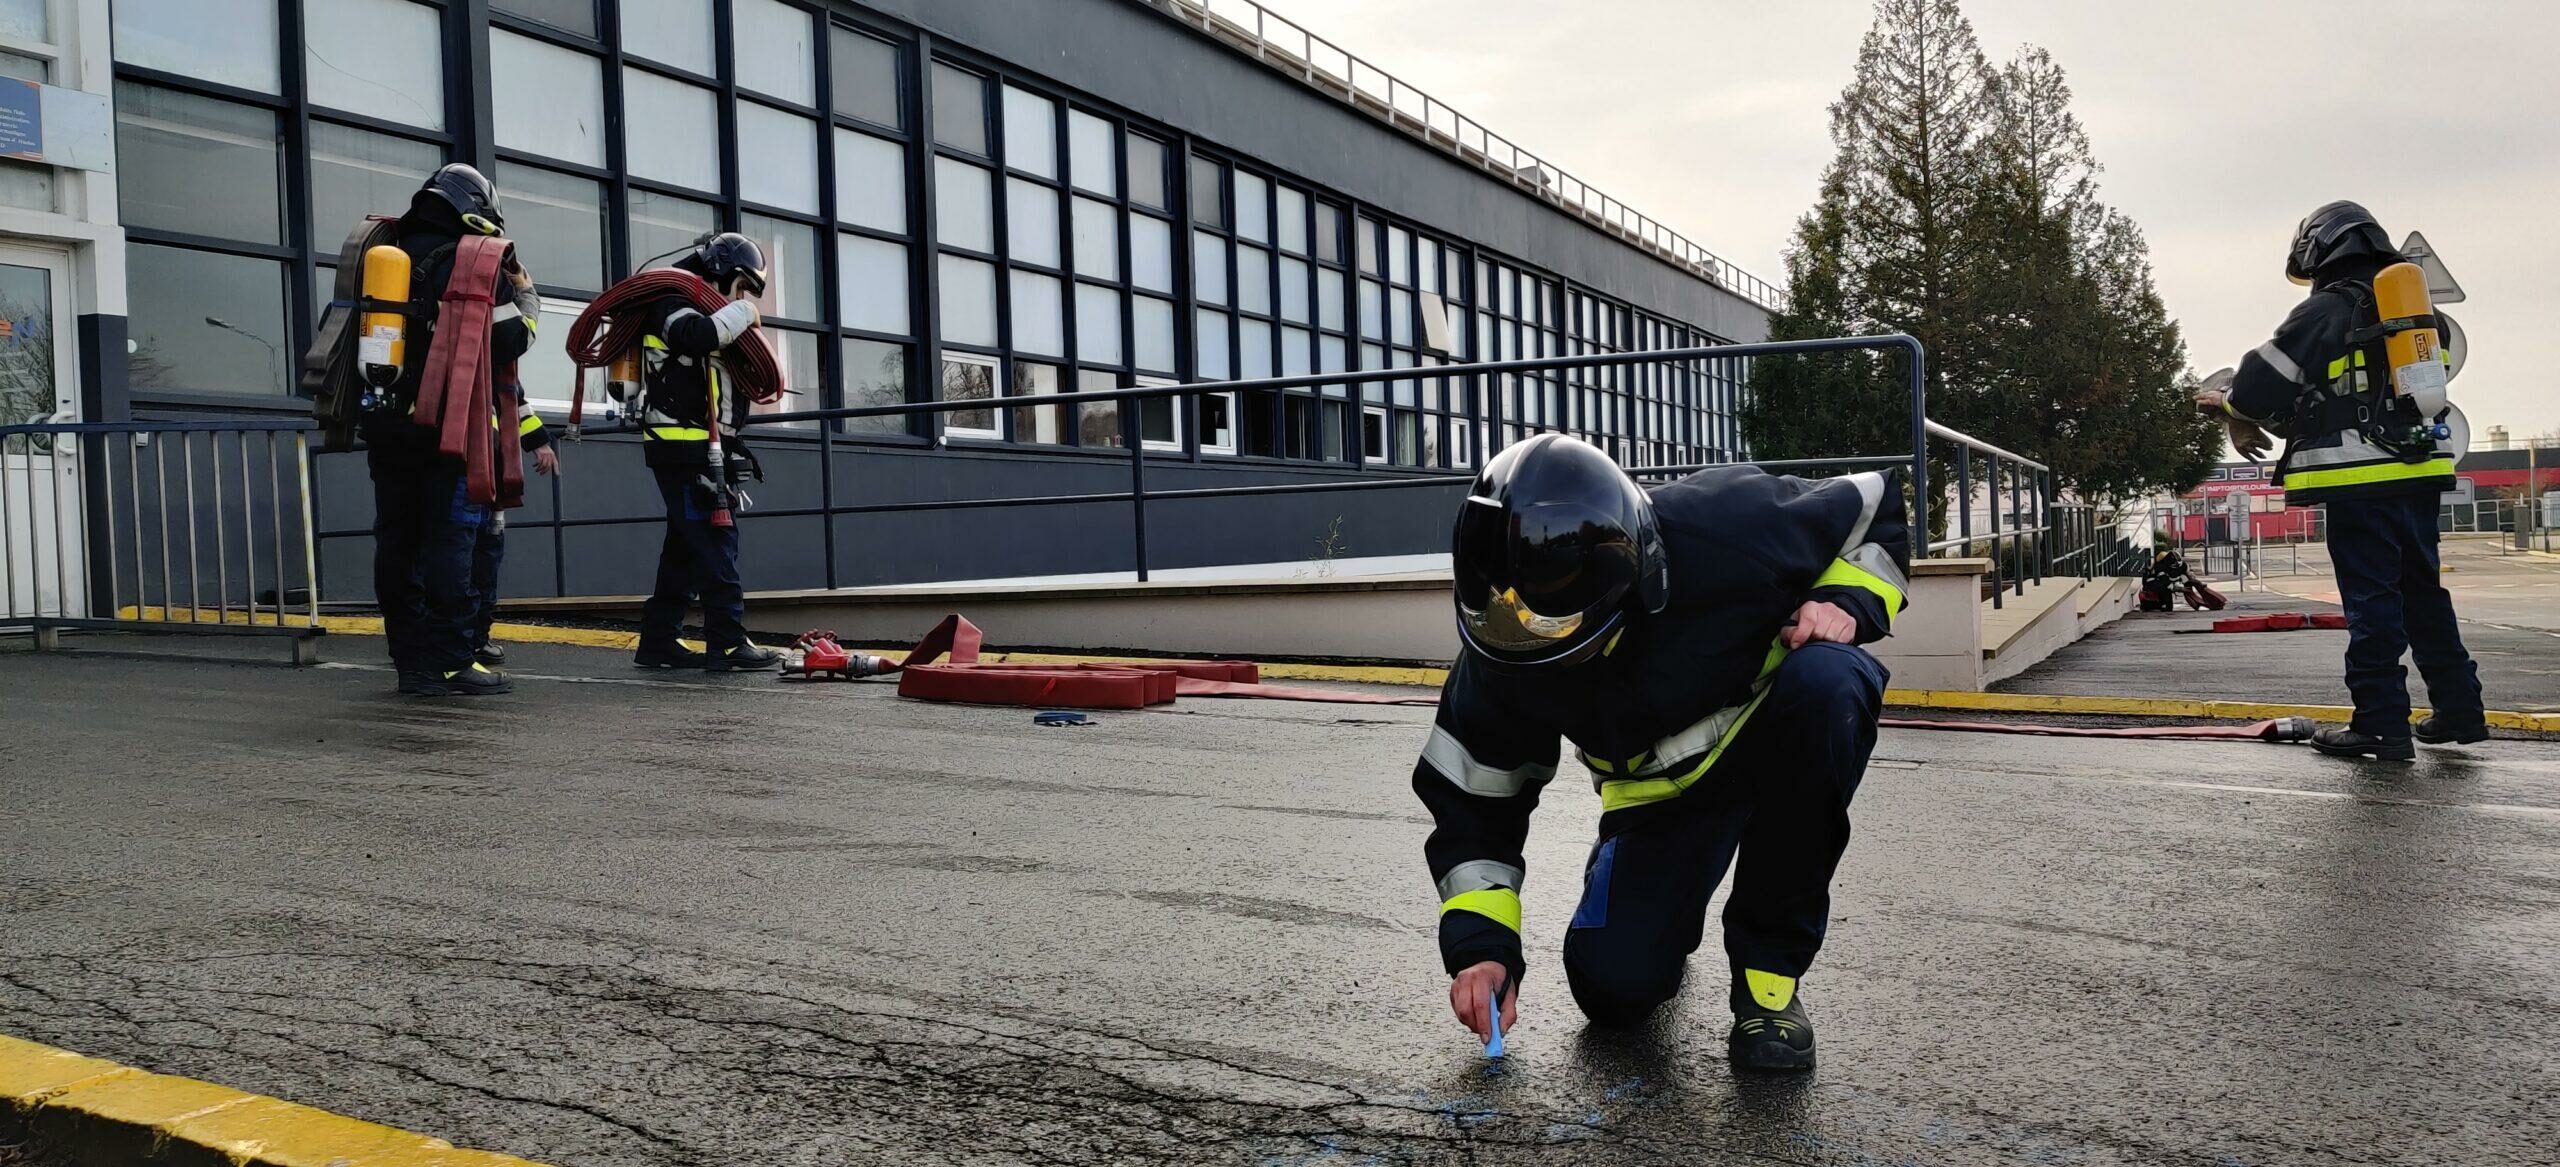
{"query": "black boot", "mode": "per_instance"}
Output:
(744, 658)
(669, 655)
(472, 680)
(491, 653)
(2339, 741)
(1771, 1032)
(2437, 730)
(414, 683)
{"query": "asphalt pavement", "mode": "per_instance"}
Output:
(623, 920)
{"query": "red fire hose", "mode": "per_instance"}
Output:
(597, 336)
(457, 391)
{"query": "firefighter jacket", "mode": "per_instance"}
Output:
(1651, 714)
(389, 433)
(686, 384)
(2310, 382)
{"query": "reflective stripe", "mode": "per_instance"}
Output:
(1461, 768)
(1478, 875)
(2440, 466)
(1870, 567)
(1870, 487)
(1498, 904)
(653, 342)
(2277, 360)
(528, 425)
(506, 312)
(1627, 792)
(1769, 989)
(678, 433)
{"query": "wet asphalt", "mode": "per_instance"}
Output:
(617, 920)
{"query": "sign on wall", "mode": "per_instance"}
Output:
(56, 126)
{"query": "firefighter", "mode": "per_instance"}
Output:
(687, 397)
(534, 438)
(2324, 383)
(427, 530)
(1699, 646)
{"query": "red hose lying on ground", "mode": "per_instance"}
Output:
(596, 337)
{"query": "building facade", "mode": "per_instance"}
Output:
(989, 200)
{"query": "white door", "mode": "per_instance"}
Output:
(41, 535)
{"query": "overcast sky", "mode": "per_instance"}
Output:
(2219, 123)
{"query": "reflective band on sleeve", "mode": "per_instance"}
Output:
(528, 425)
(2277, 360)
(1498, 904)
(506, 312)
(678, 433)
(1461, 768)
(1870, 486)
(1870, 567)
(653, 342)
(1479, 875)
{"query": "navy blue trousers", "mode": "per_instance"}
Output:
(696, 560)
(426, 531)
(1779, 797)
(486, 555)
(2391, 584)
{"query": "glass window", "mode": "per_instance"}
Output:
(1428, 267)
(1328, 232)
(1328, 298)
(1297, 352)
(1364, 236)
(1159, 426)
(804, 386)
(1146, 173)
(1399, 255)
(872, 284)
(1030, 132)
(342, 70)
(871, 181)
(968, 301)
(1373, 310)
(959, 108)
(1209, 342)
(964, 205)
(1253, 207)
(557, 221)
(206, 323)
(875, 373)
(663, 228)
(791, 250)
(1098, 422)
(1208, 195)
(1330, 358)
(578, 16)
(1150, 252)
(785, 149)
(670, 32)
(1031, 222)
(548, 376)
(172, 147)
(1097, 239)
(355, 173)
(25, 20)
(229, 42)
(1293, 290)
(776, 53)
(1400, 316)
(1253, 349)
(1253, 279)
(1208, 268)
(550, 101)
(1293, 221)
(967, 378)
(681, 139)
(1151, 321)
(1090, 158)
(1039, 311)
(1097, 325)
(1046, 424)
(1218, 423)
(868, 73)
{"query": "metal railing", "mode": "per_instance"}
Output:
(2037, 534)
(112, 526)
(1336, 72)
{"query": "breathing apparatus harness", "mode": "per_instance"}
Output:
(2389, 416)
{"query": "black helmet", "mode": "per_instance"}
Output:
(464, 193)
(1550, 545)
(2340, 230)
(725, 257)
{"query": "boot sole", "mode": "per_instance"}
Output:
(1771, 1057)
(2469, 739)
(464, 691)
(2404, 753)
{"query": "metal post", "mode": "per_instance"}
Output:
(1964, 497)
(160, 495)
(275, 521)
(1992, 496)
(2017, 550)
(195, 575)
(9, 528)
(249, 535)
(310, 553)
(221, 542)
(1919, 430)
(1129, 431)
(61, 558)
(107, 496)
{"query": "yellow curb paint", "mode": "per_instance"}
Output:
(2171, 707)
(103, 1112)
(372, 626)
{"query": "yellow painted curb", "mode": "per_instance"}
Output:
(372, 626)
(2170, 707)
(103, 1112)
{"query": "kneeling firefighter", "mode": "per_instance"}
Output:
(1698, 644)
(2354, 380)
(687, 359)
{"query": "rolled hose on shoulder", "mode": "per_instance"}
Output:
(597, 336)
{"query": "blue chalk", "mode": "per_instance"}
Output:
(1493, 1047)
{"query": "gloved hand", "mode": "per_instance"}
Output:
(743, 462)
(2247, 437)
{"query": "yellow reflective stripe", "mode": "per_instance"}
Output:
(1769, 989)
(532, 325)
(528, 425)
(1777, 656)
(678, 433)
(1627, 792)
(2439, 466)
(1844, 574)
(1498, 904)
(653, 342)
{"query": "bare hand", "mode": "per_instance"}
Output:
(2247, 438)
(2210, 401)
(546, 460)
(1471, 997)
(1820, 621)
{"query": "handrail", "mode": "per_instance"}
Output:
(1969, 441)
(1341, 74)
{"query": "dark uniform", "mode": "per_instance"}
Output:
(427, 531)
(491, 551)
(1704, 737)
(688, 388)
(2324, 369)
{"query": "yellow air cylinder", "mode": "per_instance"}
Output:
(622, 377)
(382, 337)
(2415, 354)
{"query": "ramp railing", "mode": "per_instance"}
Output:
(159, 526)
